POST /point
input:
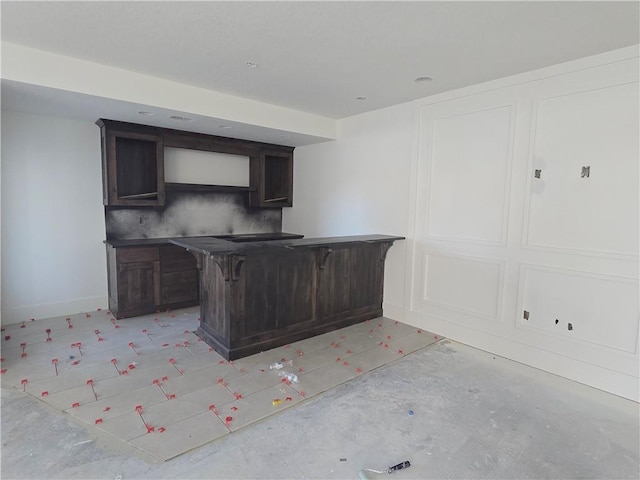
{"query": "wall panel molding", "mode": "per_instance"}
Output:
(469, 182)
(480, 294)
(592, 205)
(574, 297)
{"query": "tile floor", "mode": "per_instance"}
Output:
(152, 383)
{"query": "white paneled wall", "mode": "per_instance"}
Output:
(597, 129)
(525, 220)
(469, 179)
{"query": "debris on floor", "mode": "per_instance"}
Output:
(402, 465)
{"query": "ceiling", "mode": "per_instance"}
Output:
(319, 57)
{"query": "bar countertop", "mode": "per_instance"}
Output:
(239, 238)
(219, 246)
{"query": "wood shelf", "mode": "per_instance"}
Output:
(194, 187)
(140, 195)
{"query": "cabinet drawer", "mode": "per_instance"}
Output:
(146, 254)
(173, 259)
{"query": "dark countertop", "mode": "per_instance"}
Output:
(240, 238)
(218, 246)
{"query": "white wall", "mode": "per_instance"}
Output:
(53, 258)
(182, 165)
(358, 185)
(486, 240)
(490, 241)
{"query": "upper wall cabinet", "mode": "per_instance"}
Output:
(132, 165)
(271, 175)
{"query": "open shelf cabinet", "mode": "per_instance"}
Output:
(133, 166)
(272, 176)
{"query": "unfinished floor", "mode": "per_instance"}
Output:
(151, 383)
(453, 411)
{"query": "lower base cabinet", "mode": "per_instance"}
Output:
(144, 280)
(263, 298)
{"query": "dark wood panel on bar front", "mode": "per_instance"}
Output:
(261, 295)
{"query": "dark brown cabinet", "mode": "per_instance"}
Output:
(271, 174)
(268, 295)
(146, 279)
(178, 277)
(132, 164)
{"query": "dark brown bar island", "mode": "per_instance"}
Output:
(256, 296)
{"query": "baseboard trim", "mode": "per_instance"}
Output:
(617, 383)
(392, 311)
(12, 315)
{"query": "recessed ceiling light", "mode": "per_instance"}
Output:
(361, 98)
(252, 65)
(180, 119)
(224, 126)
(423, 79)
(144, 112)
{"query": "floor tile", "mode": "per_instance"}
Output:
(374, 358)
(259, 405)
(67, 398)
(163, 355)
(263, 360)
(254, 382)
(125, 427)
(205, 397)
(312, 344)
(70, 379)
(182, 437)
(414, 341)
(117, 405)
(358, 342)
(37, 367)
(125, 383)
(176, 378)
(322, 379)
(183, 384)
(171, 411)
(146, 374)
(193, 363)
(318, 359)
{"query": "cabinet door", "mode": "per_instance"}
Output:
(138, 286)
(133, 167)
(271, 174)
